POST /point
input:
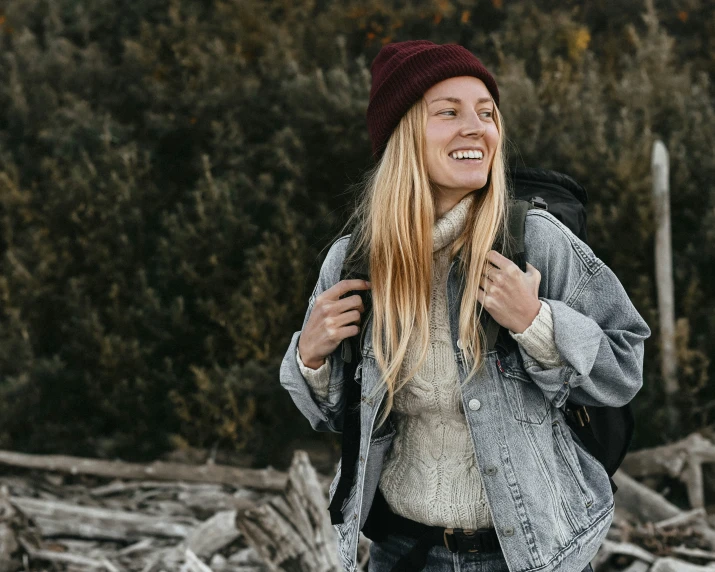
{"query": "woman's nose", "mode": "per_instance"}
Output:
(473, 126)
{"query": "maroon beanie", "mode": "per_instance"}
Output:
(402, 72)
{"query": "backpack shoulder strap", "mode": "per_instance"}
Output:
(515, 251)
(517, 221)
(355, 265)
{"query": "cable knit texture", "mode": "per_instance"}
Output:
(430, 473)
(318, 379)
(538, 339)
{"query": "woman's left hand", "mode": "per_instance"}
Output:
(509, 295)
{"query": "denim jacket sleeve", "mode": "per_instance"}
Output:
(597, 330)
(324, 414)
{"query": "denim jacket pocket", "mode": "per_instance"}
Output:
(565, 449)
(527, 401)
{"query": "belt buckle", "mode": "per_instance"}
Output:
(449, 531)
(470, 532)
(453, 536)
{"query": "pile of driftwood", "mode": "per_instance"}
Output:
(68, 513)
(649, 533)
(64, 513)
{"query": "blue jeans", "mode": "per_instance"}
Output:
(384, 555)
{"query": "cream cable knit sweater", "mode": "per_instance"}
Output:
(432, 445)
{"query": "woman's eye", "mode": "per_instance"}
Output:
(447, 111)
(487, 113)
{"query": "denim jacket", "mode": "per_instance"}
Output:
(550, 500)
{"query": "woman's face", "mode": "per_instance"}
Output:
(461, 121)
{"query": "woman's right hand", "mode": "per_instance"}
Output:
(331, 321)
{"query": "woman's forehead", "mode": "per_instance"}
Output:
(458, 87)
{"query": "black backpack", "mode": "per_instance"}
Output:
(605, 432)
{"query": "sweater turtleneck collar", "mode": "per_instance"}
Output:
(451, 224)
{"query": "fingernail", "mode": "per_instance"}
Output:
(367, 283)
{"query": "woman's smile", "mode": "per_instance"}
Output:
(461, 137)
(467, 155)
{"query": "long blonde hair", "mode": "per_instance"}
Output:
(394, 218)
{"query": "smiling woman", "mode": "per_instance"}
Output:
(460, 139)
(455, 458)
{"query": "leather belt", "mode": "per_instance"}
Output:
(454, 539)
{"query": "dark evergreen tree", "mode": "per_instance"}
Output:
(172, 171)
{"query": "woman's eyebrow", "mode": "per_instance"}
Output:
(457, 100)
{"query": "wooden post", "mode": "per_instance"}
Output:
(664, 281)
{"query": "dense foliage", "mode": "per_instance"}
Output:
(171, 172)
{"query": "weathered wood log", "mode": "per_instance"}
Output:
(117, 487)
(153, 559)
(259, 479)
(693, 553)
(688, 517)
(674, 565)
(193, 563)
(212, 535)
(637, 566)
(109, 565)
(292, 533)
(141, 546)
(682, 460)
(610, 548)
(9, 545)
(16, 530)
(648, 506)
(64, 558)
(643, 503)
(55, 518)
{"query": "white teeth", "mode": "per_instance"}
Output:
(467, 155)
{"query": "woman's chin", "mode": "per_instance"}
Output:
(477, 183)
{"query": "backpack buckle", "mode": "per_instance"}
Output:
(581, 414)
(540, 203)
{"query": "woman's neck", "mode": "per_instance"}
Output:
(445, 202)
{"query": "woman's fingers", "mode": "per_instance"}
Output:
(349, 331)
(353, 302)
(343, 287)
(332, 319)
(350, 317)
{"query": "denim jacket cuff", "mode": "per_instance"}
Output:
(318, 379)
(555, 382)
(538, 339)
(577, 339)
(322, 413)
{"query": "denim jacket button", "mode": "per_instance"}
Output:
(508, 531)
(474, 404)
(491, 470)
(459, 344)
